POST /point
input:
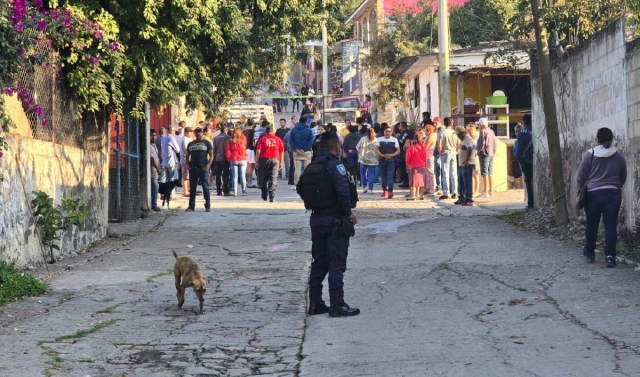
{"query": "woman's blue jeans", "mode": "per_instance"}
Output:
(238, 170)
(606, 204)
(367, 174)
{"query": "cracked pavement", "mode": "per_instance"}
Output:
(444, 291)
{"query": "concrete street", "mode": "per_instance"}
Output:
(444, 291)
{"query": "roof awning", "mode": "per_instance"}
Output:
(412, 65)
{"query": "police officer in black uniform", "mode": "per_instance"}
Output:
(330, 240)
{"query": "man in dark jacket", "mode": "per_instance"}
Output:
(525, 156)
(402, 164)
(301, 142)
(330, 244)
(220, 164)
(349, 147)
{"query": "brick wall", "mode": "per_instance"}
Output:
(593, 89)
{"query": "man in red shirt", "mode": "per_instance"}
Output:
(269, 155)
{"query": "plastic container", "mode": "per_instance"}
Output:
(495, 100)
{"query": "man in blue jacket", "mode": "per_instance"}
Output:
(525, 156)
(301, 142)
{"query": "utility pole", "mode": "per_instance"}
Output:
(325, 57)
(550, 117)
(444, 84)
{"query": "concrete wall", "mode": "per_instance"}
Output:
(60, 171)
(632, 151)
(590, 85)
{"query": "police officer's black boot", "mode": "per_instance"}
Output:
(318, 308)
(343, 310)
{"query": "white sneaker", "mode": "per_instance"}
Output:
(365, 191)
(483, 195)
(293, 187)
(489, 194)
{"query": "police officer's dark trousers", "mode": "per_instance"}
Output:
(329, 251)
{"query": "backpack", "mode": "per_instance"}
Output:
(315, 187)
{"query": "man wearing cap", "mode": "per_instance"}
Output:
(448, 146)
(199, 156)
(487, 145)
(467, 165)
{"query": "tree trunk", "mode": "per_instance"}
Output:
(551, 119)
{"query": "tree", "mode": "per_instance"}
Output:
(406, 34)
(551, 118)
(482, 21)
(210, 51)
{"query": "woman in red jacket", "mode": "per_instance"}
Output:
(416, 158)
(237, 156)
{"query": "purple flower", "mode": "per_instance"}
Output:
(38, 110)
(8, 91)
(20, 52)
(97, 35)
(18, 26)
(66, 21)
(38, 4)
(95, 61)
(42, 25)
(45, 122)
(55, 14)
(1, 154)
(23, 94)
(115, 46)
(19, 10)
(66, 12)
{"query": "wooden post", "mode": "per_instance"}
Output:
(551, 118)
(460, 89)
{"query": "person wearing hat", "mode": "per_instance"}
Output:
(466, 166)
(487, 145)
(199, 156)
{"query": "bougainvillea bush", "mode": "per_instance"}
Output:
(81, 49)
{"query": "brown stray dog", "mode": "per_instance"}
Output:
(188, 274)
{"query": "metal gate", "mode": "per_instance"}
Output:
(124, 169)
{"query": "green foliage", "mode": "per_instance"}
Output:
(15, 285)
(53, 219)
(406, 34)
(179, 47)
(482, 21)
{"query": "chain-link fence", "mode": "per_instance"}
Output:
(46, 105)
(124, 169)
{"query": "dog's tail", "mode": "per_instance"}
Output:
(174, 254)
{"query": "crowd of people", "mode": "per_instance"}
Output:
(436, 158)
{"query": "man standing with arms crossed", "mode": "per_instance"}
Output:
(199, 156)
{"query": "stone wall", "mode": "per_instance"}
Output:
(60, 171)
(590, 85)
